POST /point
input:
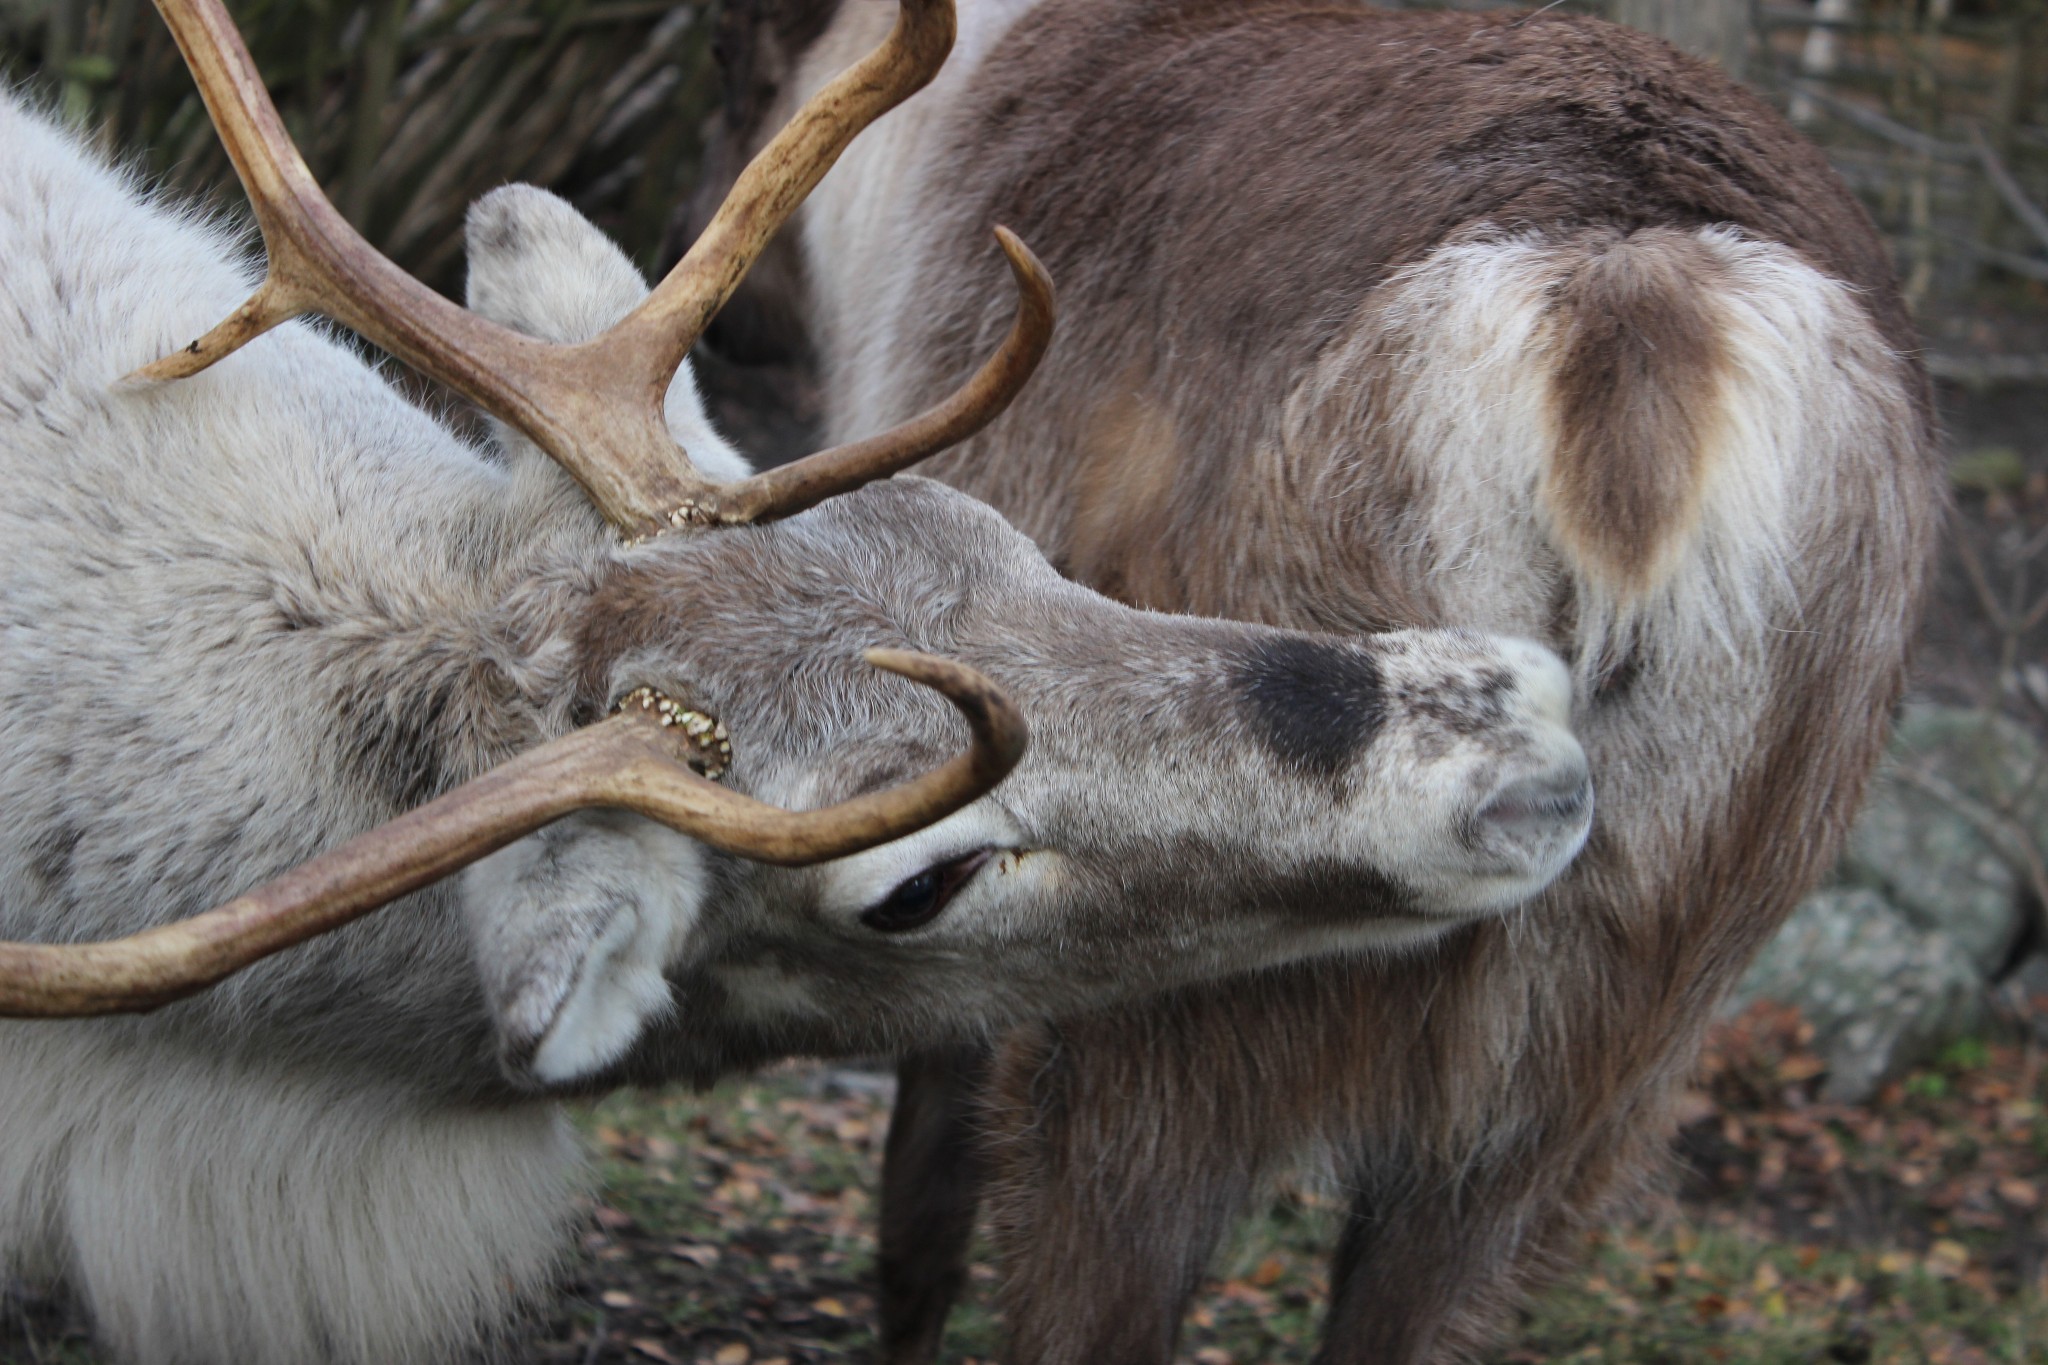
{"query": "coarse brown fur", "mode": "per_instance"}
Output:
(1286, 390)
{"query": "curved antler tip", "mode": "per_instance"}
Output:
(1023, 259)
(997, 719)
(908, 662)
(177, 365)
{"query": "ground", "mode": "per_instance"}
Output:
(736, 1228)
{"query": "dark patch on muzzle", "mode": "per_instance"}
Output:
(1315, 705)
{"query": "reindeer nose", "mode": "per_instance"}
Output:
(1538, 820)
(1544, 681)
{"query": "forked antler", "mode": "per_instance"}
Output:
(595, 407)
(632, 761)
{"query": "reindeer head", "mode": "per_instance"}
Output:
(1199, 797)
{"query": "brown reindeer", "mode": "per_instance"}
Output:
(1392, 319)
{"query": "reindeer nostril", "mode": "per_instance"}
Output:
(1537, 806)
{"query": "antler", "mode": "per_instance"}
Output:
(635, 761)
(597, 407)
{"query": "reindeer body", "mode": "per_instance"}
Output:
(256, 611)
(1386, 319)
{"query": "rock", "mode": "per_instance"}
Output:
(2026, 993)
(1881, 992)
(1917, 842)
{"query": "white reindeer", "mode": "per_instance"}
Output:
(266, 607)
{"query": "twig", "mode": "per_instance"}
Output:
(1890, 129)
(1986, 598)
(506, 30)
(596, 1338)
(1533, 13)
(2003, 832)
(2025, 266)
(2023, 208)
(1990, 369)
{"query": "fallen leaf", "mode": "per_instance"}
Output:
(733, 1353)
(831, 1308)
(617, 1298)
(1947, 1259)
(654, 1350)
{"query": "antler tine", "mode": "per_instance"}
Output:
(631, 762)
(789, 489)
(623, 457)
(659, 333)
(598, 407)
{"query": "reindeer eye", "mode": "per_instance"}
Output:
(917, 902)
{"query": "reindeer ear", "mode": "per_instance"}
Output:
(538, 266)
(572, 929)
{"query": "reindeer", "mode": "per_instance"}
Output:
(270, 624)
(1388, 320)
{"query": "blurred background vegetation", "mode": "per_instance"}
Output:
(408, 109)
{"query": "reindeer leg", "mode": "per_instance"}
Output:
(1117, 1162)
(1414, 1267)
(931, 1188)
(1440, 1249)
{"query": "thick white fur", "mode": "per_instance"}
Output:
(573, 929)
(209, 1203)
(195, 1204)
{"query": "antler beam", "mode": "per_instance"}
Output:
(629, 762)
